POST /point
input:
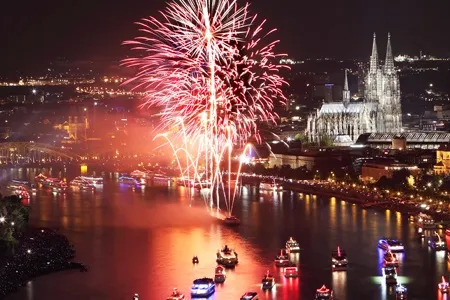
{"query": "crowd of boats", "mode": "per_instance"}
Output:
(228, 258)
(24, 189)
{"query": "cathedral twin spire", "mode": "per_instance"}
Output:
(389, 61)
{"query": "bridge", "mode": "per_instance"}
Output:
(30, 152)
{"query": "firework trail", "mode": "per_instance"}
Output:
(212, 73)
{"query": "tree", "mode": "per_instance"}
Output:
(325, 141)
(400, 178)
(301, 137)
(13, 220)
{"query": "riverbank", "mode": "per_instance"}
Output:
(367, 200)
(40, 252)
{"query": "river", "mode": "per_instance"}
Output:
(142, 240)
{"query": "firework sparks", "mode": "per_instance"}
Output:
(214, 76)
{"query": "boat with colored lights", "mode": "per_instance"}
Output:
(250, 296)
(176, 295)
(401, 292)
(291, 272)
(292, 246)
(324, 293)
(56, 184)
(80, 183)
(268, 281)
(203, 288)
(425, 221)
(227, 257)
(390, 259)
(391, 245)
(437, 243)
(390, 275)
(444, 286)
(95, 181)
(339, 260)
(128, 180)
(232, 221)
(270, 186)
(282, 260)
(40, 178)
(220, 275)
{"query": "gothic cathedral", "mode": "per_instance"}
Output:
(380, 112)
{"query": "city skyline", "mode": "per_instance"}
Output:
(37, 32)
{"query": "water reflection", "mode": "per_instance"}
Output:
(143, 240)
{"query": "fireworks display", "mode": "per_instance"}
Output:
(215, 77)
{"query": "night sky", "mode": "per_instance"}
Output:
(34, 31)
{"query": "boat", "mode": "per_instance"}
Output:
(128, 180)
(268, 281)
(227, 257)
(195, 260)
(447, 231)
(291, 272)
(390, 275)
(391, 245)
(425, 221)
(444, 286)
(270, 186)
(390, 259)
(421, 234)
(220, 275)
(176, 295)
(339, 260)
(40, 178)
(203, 288)
(136, 297)
(324, 293)
(232, 221)
(250, 296)
(55, 184)
(401, 292)
(95, 181)
(282, 260)
(437, 243)
(292, 246)
(80, 183)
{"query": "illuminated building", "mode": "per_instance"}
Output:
(380, 112)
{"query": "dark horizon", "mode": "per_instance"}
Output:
(35, 32)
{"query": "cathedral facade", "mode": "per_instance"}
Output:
(379, 112)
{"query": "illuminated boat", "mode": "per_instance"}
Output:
(292, 246)
(401, 292)
(232, 221)
(268, 281)
(339, 260)
(447, 231)
(444, 286)
(250, 296)
(437, 243)
(203, 288)
(128, 180)
(220, 275)
(391, 245)
(40, 178)
(282, 260)
(421, 233)
(324, 293)
(227, 257)
(55, 184)
(425, 221)
(390, 259)
(176, 295)
(80, 183)
(390, 275)
(270, 186)
(291, 272)
(195, 260)
(95, 181)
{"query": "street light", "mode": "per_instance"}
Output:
(2, 219)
